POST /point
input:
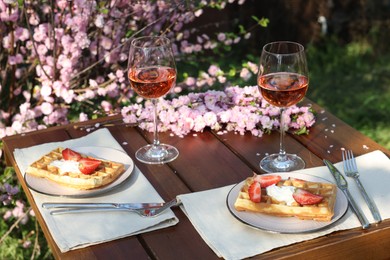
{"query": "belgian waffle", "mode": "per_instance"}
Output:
(322, 211)
(106, 173)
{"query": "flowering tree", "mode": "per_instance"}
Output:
(61, 58)
(65, 60)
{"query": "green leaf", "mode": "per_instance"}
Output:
(232, 72)
(263, 22)
(242, 29)
(255, 18)
(302, 131)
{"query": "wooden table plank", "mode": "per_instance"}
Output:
(329, 135)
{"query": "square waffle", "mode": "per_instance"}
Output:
(106, 173)
(323, 211)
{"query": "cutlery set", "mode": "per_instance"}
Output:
(142, 209)
(350, 169)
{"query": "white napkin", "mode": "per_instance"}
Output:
(231, 239)
(71, 231)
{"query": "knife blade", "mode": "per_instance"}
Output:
(51, 205)
(343, 185)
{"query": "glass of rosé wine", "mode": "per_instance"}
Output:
(283, 82)
(152, 74)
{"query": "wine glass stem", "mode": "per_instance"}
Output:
(156, 140)
(282, 151)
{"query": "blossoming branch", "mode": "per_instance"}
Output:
(233, 110)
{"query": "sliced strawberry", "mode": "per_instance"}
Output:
(267, 180)
(70, 155)
(88, 165)
(255, 192)
(304, 197)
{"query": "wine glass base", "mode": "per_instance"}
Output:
(160, 154)
(273, 163)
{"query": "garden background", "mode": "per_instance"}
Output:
(217, 44)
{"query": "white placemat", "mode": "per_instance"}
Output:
(231, 239)
(71, 231)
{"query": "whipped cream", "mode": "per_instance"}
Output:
(66, 166)
(282, 193)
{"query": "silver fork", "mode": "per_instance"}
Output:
(144, 212)
(350, 169)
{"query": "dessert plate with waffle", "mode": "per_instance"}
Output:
(289, 203)
(79, 172)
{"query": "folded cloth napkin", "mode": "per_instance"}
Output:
(71, 231)
(231, 239)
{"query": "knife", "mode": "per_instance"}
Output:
(343, 185)
(49, 205)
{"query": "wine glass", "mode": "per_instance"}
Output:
(152, 73)
(283, 82)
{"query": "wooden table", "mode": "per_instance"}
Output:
(208, 161)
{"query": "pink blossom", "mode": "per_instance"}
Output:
(17, 59)
(33, 19)
(106, 43)
(228, 42)
(67, 95)
(42, 49)
(210, 118)
(224, 116)
(221, 79)
(46, 108)
(198, 12)
(245, 74)
(46, 90)
(199, 124)
(99, 21)
(7, 214)
(40, 33)
(6, 42)
(62, 4)
(82, 40)
(190, 81)
(27, 244)
(64, 62)
(9, 15)
(213, 70)
(221, 37)
(22, 34)
(83, 117)
(106, 106)
(253, 67)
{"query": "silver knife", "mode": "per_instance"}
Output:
(49, 205)
(343, 185)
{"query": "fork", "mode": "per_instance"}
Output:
(144, 212)
(350, 169)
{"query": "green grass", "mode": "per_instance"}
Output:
(352, 81)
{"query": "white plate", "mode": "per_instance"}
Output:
(48, 187)
(286, 225)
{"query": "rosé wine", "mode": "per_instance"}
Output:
(152, 82)
(283, 89)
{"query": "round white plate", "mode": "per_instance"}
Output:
(286, 225)
(48, 187)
